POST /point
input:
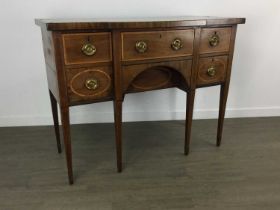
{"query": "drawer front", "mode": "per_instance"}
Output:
(89, 83)
(156, 44)
(212, 70)
(215, 40)
(87, 48)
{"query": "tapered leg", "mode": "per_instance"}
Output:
(118, 132)
(189, 116)
(55, 120)
(67, 141)
(222, 109)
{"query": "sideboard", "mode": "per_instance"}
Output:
(96, 60)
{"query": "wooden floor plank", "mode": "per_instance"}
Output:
(242, 174)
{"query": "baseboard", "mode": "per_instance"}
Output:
(105, 117)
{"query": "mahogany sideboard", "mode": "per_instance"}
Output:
(95, 60)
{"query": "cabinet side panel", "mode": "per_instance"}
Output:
(49, 55)
(60, 69)
(48, 48)
(52, 82)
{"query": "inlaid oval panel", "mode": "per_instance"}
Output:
(212, 70)
(91, 83)
(153, 78)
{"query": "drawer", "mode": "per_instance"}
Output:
(215, 40)
(156, 44)
(212, 70)
(89, 83)
(87, 48)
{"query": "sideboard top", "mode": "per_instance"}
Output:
(120, 23)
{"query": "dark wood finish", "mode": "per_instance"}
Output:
(53, 82)
(118, 73)
(161, 77)
(77, 90)
(224, 90)
(222, 106)
(73, 43)
(130, 23)
(118, 132)
(158, 44)
(63, 101)
(65, 119)
(191, 92)
(48, 48)
(224, 35)
(219, 63)
(119, 69)
(118, 96)
(189, 116)
(195, 60)
(55, 121)
(51, 69)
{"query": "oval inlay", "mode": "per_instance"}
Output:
(77, 83)
(153, 78)
(219, 67)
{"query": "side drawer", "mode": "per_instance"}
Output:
(92, 84)
(212, 70)
(215, 40)
(156, 44)
(87, 48)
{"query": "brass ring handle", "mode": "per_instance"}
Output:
(214, 40)
(211, 71)
(89, 49)
(141, 46)
(176, 44)
(91, 84)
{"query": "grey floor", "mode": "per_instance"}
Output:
(244, 173)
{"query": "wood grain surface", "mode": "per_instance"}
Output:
(133, 23)
(158, 44)
(73, 43)
(119, 69)
(224, 35)
(219, 63)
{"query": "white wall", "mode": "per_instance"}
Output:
(254, 89)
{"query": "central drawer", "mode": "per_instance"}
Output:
(156, 44)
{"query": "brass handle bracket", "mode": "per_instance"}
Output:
(91, 84)
(141, 46)
(211, 71)
(214, 40)
(88, 49)
(176, 44)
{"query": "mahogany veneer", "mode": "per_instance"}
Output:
(95, 60)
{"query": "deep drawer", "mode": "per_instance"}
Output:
(89, 83)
